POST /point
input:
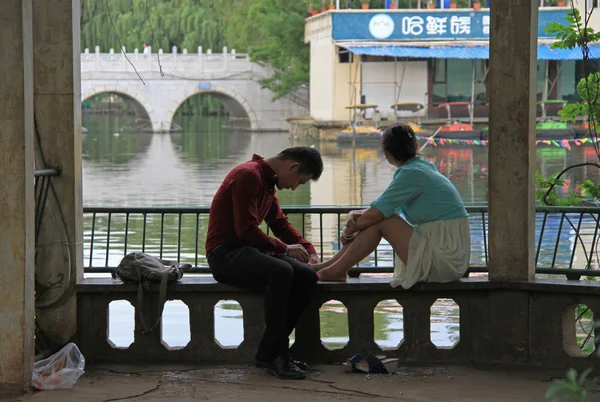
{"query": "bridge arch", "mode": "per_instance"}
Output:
(141, 106)
(236, 105)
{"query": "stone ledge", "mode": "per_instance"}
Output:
(194, 283)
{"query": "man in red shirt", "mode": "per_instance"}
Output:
(239, 253)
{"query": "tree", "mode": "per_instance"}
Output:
(282, 44)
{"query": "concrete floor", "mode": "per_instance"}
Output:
(326, 383)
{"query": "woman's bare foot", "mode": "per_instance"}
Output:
(329, 275)
(318, 267)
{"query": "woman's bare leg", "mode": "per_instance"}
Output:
(395, 230)
(336, 257)
(341, 252)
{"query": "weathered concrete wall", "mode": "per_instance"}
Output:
(17, 252)
(58, 121)
(513, 55)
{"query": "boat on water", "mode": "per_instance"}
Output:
(457, 129)
(549, 129)
(359, 132)
(582, 131)
(413, 108)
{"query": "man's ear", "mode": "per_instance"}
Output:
(294, 166)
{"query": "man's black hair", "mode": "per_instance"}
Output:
(309, 159)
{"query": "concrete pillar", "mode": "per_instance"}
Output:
(57, 97)
(513, 54)
(17, 226)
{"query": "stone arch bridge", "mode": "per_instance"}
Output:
(229, 76)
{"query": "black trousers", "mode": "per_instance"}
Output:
(288, 284)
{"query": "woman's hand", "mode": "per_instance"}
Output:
(346, 237)
(352, 223)
(344, 241)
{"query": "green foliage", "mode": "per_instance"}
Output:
(576, 34)
(570, 389)
(282, 28)
(590, 189)
(542, 184)
(573, 388)
(584, 311)
(182, 23)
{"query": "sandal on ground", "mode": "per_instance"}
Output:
(376, 365)
(351, 363)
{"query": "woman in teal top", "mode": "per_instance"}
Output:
(432, 243)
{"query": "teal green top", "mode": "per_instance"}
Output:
(422, 194)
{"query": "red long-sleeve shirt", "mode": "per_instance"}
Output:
(244, 200)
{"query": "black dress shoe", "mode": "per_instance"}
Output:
(264, 364)
(283, 367)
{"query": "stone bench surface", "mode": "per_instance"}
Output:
(205, 283)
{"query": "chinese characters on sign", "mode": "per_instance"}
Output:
(416, 25)
(485, 22)
(433, 26)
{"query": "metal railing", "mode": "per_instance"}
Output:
(566, 237)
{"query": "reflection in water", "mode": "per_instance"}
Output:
(229, 323)
(444, 323)
(104, 145)
(389, 324)
(333, 317)
(186, 168)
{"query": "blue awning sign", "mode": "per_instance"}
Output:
(544, 52)
(419, 25)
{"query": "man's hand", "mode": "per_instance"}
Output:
(298, 252)
(314, 259)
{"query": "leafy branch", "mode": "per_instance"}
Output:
(575, 34)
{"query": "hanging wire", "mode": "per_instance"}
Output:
(121, 43)
(153, 38)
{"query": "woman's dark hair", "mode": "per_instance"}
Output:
(309, 159)
(400, 141)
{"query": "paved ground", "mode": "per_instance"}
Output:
(326, 383)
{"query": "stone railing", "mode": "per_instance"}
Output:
(520, 322)
(145, 61)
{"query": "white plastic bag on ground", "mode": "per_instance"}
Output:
(59, 371)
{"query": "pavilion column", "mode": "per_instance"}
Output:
(512, 79)
(17, 251)
(57, 97)
(511, 186)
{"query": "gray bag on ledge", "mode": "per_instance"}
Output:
(144, 269)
